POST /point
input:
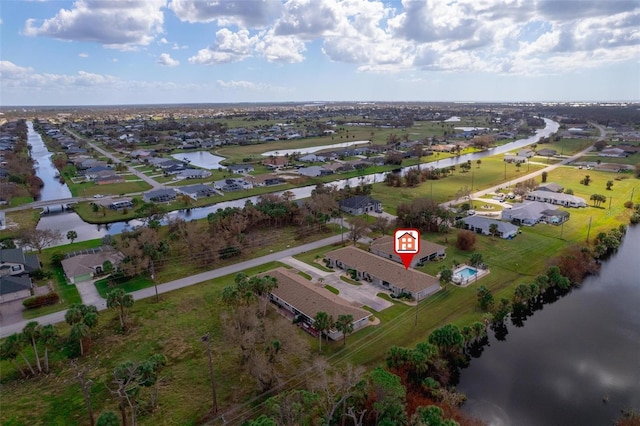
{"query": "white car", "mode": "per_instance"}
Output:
(98, 196)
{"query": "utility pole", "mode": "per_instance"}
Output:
(472, 181)
(589, 229)
(153, 278)
(214, 399)
(610, 198)
(417, 303)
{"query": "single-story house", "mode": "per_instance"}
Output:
(14, 288)
(547, 152)
(526, 152)
(84, 267)
(240, 168)
(197, 191)
(232, 184)
(482, 225)
(159, 195)
(312, 158)
(360, 204)
(529, 213)
(386, 273)
(314, 171)
(566, 200)
(612, 152)
(555, 216)
(304, 300)
(120, 204)
(193, 174)
(550, 186)
(513, 158)
(108, 179)
(384, 247)
(16, 262)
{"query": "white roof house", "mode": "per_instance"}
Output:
(560, 199)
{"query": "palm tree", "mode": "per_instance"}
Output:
(10, 349)
(48, 336)
(493, 229)
(322, 322)
(446, 275)
(117, 298)
(79, 331)
(344, 324)
(31, 333)
(81, 318)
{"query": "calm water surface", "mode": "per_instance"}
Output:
(203, 159)
(568, 358)
(45, 170)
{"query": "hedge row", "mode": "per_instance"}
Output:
(44, 300)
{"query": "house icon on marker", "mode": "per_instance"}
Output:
(406, 242)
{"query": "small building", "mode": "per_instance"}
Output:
(555, 216)
(566, 200)
(15, 287)
(547, 152)
(197, 191)
(120, 205)
(386, 273)
(193, 174)
(15, 262)
(551, 187)
(513, 158)
(163, 195)
(304, 300)
(526, 152)
(314, 171)
(529, 213)
(360, 204)
(108, 179)
(232, 184)
(482, 225)
(384, 247)
(85, 266)
(240, 168)
(613, 152)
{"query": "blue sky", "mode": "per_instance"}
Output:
(90, 52)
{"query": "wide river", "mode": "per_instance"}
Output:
(575, 362)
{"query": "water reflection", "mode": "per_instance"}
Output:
(203, 159)
(45, 170)
(575, 362)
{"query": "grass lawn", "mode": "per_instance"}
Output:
(87, 189)
(21, 219)
(68, 296)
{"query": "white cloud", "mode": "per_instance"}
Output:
(163, 41)
(83, 54)
(228, 47)
(16, 76)
(276, 48)
(308, 18)
(121, 24)
(244, 13)
(166, 60)
(243, 85)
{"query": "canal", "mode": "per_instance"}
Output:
(45, 170)
(575, 362)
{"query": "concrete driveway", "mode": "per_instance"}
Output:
(89, 294)
(365, 294)
(11, 312)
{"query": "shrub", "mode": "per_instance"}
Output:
(466, 240)
(38, 301)
(628, 204)
(39, 274)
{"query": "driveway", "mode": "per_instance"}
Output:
(11, 312)
(89, 294)
(365, 294)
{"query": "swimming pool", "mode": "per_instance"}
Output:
(465, 273)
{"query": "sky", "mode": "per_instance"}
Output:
(112, 52)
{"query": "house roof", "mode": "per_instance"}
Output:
(311, 299)
(557, 196)
(485, 222)
(157, 193)
(9, 284)
(194, 189)
(30, 261)
(551, 186)
(386, 244)
(531, 210)
(86, 263)
(384, 269)
(357, 202)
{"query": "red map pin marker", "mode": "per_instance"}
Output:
(406, 244)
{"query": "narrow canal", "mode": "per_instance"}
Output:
(45, 170)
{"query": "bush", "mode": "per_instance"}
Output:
(466, 240)
(38, 301)
(628, 204)
(39, 274)
(229, 252)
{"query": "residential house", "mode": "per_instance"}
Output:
(385, 247)
(303, 300)
(240, 169)
(314, 171)
(14, 287)
(360, 204)
(513, 158)
(547, 152)
(193, 174)
(482, 225)
(120, 204)
(613, 152)
(384, 272)
(85, 266)
(566, 200)
(197, 191)
(16, 262)
(312, 158)
(527, 153)
(550, 186)
(159, 195)
(108, 179)
(275, 163)
(531, 212)
(232, 184)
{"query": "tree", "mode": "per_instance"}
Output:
(31, 333)
(485, 298)
(48, 336)
(10, 348)
(81, 318)
(449, 341)
(322, 322)
(586, 181)
(465, 239)
(501, 311)
(478, 162)
(390, 397)
(39, 238)
(85, 387)
(609, 185)
(120, 300)
(544, 176)
(476, 259)
(431, 415)
(598, 199)
(446, 275)
(344, 324)
(71, 236)
(493, 229)
(357, 229)
(108, 418)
